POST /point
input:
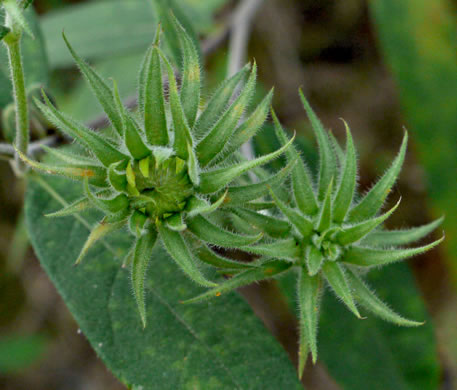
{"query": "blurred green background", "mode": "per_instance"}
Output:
(381, 65)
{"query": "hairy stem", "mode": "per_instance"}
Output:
(13, 45)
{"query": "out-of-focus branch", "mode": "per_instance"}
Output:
(239, 37)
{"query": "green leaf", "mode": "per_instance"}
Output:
(301, 178)
(218, 103)
(181, 254)
(216, 179)
(34, 59)
(348, 180)
(213, 234)
(115, 204)
(190, 345)
(105, 152)
(183, 137)
(368, 257)
(155, 121)
(98, 29)
(100, 89)
(400, 237)
(272, 226)
(327, 168)
(354, 233)
(215, 140)
(190, 85)
(371, 302)
(374, 199)
(308, 306)
(141, 256)
(336, 278)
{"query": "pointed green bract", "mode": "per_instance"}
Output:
(242, 279)
(325, 214)
(216, 179)
(213, 234)
(372, 303)
(141, 256)
(65, 156)
(327, 168)
(248, 128)
(336, 278)
(348, 180)
(308, 304)
(101, 90)
(176, 223)
(132, 138)
(113, 205)
(368, 257)
(301, 179)
(105, 152)
(100, 231)
(238, 195)
(177, 248)
(117, 180)
(360, 230)
(374, 199)
(303, 225)
(218, 103)
(400, 237)
(73, 208)
(93, 173)
(197, 206)
(280, 249)
(192, 166)
(339, 154)
(215, 140)
(208, 256)
(314, 260)
(272, 226)
(182, 133)
(155, 121)
(190, 85)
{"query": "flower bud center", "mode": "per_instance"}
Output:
(163, 185)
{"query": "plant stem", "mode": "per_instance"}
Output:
(13, 45)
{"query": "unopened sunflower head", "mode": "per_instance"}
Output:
(328, 234)
(168, 165)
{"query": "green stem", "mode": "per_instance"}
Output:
(13, 45)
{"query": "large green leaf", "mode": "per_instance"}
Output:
(419, 41)
(215, 345)
(107, 28)
(372, 354)
(98, 30)
(34, 59)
